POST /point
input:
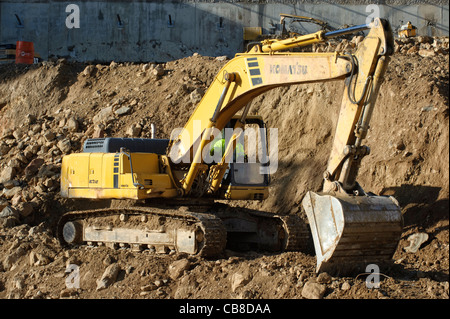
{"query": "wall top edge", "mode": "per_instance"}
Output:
(340, 2)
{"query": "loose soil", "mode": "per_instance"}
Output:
(409, 141)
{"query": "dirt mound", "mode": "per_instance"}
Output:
(48, 110)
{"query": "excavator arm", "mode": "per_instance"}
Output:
(357, 106)
(240, 81)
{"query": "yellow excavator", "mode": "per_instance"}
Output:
(180, 187)
(407, 30)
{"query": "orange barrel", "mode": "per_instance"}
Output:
(24, 52)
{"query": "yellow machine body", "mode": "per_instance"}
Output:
(407, 30)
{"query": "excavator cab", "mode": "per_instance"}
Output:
(247, 178)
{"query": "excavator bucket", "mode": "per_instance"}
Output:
(350, 232)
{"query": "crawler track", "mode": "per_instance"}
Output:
(166, 229)
(211, 242)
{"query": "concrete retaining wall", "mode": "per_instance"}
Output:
(141, 31)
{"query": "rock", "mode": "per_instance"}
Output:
(72, 124)
(28, 154)
(427, 108)
(88, 70)
(345, 286)
(9, 222)
(46, 184)
(64, 146)
(49, 170)
(16, 200)
(313, 290)
(196, 96)
(177, 268)
(412, 50)
(9, 212)
(4, 149)
(38, 259)
(18, 283)
(36, 230)
(145, 67)
(13, 257)
(149, 287)
(400, 146)
(124, 110)
(357, 39)
(25, 209)
(158, 70)
(40, 189)
(302, 277)
(66, 293)
(134, 130)
(108, 277)
(7, 174)
(10, 193)
(33, 167)
(18, 134)
(240, 280)
(21, 158)
(35, 129)
(424, 39)
(3, 204)
(104, 116)
(108, 260)
(113, 65)
(14, 163)
(426, 53)
(416, 240)
(98, 132)
(440, 51)
(323, 278)
(31, 119)
(9, 184)
(221, 58)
